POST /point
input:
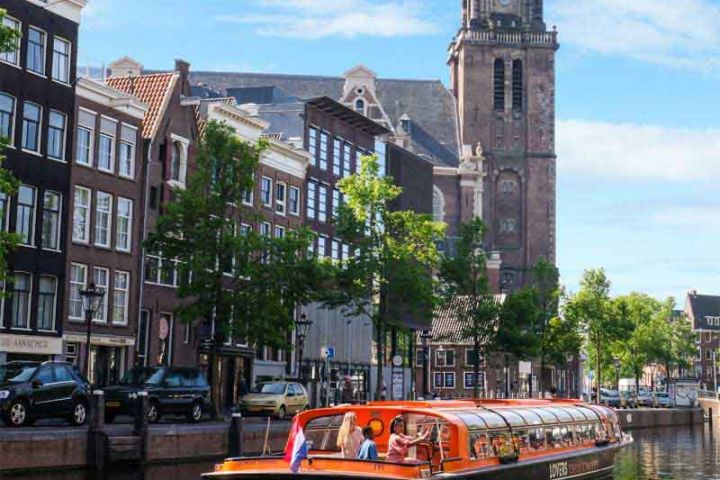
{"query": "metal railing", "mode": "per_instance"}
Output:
(510, 38)
(708, 394)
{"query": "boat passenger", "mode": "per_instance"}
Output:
(349, 436)
(400, 443)
(368, 448)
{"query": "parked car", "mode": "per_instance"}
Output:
(171, 390)
(610, 398)
(32, 390)
(275, 398)
(645, 399)
(627, 399)
(663, 400)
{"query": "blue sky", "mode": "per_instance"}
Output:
(638, 95)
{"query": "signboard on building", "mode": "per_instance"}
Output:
(32, 344)
(398, 382)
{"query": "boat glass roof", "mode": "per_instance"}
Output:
(482, 419)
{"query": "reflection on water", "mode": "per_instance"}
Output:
(667, 454)
(673, 454)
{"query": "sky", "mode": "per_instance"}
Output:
(638, 133)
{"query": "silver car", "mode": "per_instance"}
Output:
(663, 400)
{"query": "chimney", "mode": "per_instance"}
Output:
(125, 67)
(183, 68)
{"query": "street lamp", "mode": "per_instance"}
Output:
(302, 326)
(425, 337)
(616, 362)
(91, 300)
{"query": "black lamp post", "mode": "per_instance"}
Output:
(425, 337)
(91, 300)
(302, 326)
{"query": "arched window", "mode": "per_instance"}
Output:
(360, 106)
(176, 162)
(438, 204)
(517, 88)
(499, 85)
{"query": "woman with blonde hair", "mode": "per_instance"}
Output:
(350, 436)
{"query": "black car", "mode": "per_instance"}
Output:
(32, 390)
(171, 390)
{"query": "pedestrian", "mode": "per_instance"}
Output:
(368, 448)
(349, 436)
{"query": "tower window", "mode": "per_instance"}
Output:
(499, 85)
(360, 106)
(517, 86)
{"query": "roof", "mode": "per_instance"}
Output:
(704, 311)
(430, 106)
(445, 327)
(154, 90)
(348, 115)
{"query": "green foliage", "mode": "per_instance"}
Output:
(8, 36)
(465, 276)
(517, 336)
(249, 284)
(389, 279)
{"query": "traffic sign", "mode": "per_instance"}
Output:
(327, 352)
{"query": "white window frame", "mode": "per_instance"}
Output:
(266, 229)
(104, 301)
(68, 69)
(76, 287)
(298, 206)
(109, 214)
(13, 118)
(470, 351)
(28, 313)
(313, 142)
(322, 251)
(322, 213)
(18, 27)
(42, 74)
(87, 216)
(133, 152)
(454, 381)
(337, 163)
(444, 352)
(279, 231)
(269, 196)
(466, 373)
(33, 213)
(61, 158)
(312, 192)
(113, 140)
(281, 204)
(53, 327)
(184, 144)
(39, 129)
(126, 290)
(118, 223)
(323, 153)
(59, 220)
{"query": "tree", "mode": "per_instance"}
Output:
(389, 279)
(246, 283)
(545, 281)
(465, 276)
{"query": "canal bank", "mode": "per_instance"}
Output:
(641, 418)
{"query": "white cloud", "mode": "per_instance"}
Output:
(638, 152)
(681, 34)
(315, 19)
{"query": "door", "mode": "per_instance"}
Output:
(294, 399)
(46, 394)
(172, 395)
(65, 386)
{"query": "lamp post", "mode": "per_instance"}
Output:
(616, 362)
(301, 330)
(91, 300)
(425, 337)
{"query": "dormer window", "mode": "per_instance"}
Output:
(178, 161)
(405, 124)
(360, 106)
(175, 162)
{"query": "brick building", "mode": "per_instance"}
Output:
(104, 241)
(37, 107)
(703, 311)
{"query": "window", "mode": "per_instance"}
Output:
(508, 187)
(81, 215)
(13, 56)
(360, 106)
(47, 295)
(121, 297)
(508, 225)
(449, 379)
(32, 115)
(7, 116)
(322, 246)
(444, 358)
(124, 224)
(25, 225)
(265, 229)
(106, 147)
(322, 203)
(128, 138)
(294, 206)
(266, 191)
(22, 287)
(279, 231)
(101, 278)
(61, 60)
(78, 281)
(280, 197)
(51, 221)
(85, 138)
(103, 219)
(323, 151)
(4, 211)
(337, 157)
(437, 380)
(313, 144)
(248, 194)
(178, 160)
(36, 51)
(438, 205)
(469, 380)
(336, 202)
(335, 250)
(345, 251)
(312, 200)
(245, 229)
(499, 85)
(56, 135)
(470, 357)
(517, 86)
(347, 159)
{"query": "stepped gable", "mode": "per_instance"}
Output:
(430, 106)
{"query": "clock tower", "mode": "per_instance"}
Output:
(502, 64)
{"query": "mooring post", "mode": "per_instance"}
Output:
(96, 444)
(140, 428)
(235, 443)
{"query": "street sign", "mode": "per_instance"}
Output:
(397, 360)
(327, 352)
(525, 368)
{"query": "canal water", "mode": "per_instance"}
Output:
(658, 454)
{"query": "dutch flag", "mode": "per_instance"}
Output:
(296, 449)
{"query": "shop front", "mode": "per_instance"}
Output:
(29, 348)
(110, 355)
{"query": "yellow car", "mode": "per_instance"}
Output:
(278, 399)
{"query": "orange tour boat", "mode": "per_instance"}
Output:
(488, 439)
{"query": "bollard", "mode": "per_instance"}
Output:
(96, 444)
(140, 427)
(235, 443)
(97, 411)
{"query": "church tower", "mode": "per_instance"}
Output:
(503, 77)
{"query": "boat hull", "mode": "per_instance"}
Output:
(587, 464)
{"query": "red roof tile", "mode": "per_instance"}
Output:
(154, 90)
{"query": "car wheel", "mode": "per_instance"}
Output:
(196, 412)
(281, 413)
(17, 415)
(153, 412)
(79, 413)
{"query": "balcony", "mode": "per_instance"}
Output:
(492, 37)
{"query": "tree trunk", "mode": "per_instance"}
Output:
(541, 383)
(380, 351)
(476, 369)
(507, 376)
(637, 380)
(598, 375)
